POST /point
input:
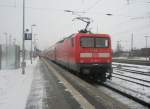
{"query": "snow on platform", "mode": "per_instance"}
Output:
(49, 92)
(15, 87)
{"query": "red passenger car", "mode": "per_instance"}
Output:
(88, 54)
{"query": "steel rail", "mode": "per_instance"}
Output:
(134, 71)
(138, 100)
(132, 81)
(132, 77)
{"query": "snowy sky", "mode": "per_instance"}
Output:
(52, 23)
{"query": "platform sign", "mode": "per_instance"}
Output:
(28, 36)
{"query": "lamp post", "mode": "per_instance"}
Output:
(6, 34)
(23, 64)
(146, 45)
(31, 41)
(35, 46)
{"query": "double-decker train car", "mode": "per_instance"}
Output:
(87, 54)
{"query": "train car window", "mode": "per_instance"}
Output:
(101, 42)
(87, 42)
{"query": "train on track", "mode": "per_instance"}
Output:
(85, 53)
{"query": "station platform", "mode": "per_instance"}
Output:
(55, 88)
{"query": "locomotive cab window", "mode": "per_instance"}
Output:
(94, 42)
(101, 42)
(87, 42)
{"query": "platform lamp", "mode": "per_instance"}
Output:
(31, 40)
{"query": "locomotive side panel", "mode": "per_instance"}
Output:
(65, 52)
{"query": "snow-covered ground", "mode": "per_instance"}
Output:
(136, 90)
(142, 68)
(133, 58)
(15, 87)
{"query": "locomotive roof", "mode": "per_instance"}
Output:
(65, 38)
(84, 34)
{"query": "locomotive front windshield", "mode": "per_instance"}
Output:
(94, 42)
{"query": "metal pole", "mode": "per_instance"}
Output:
(132, 42)
(146, 45)
(10, 39)
(23, 47)
(31, 40)
(131, 45)
(31, 44)
(0, 55)
(14, 41)
(35, 44)
(0, 39)
(6, 48)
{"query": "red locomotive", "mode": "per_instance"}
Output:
(86, 53)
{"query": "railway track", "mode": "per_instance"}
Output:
(136, 99)
(124, 74)
(130, 79)
(126, 91)
(147, 81)
(142, 84)
(133, 76)
(138, 62)
(134, 71)
(96, 97)
(112, 86)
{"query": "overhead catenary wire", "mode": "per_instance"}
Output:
(92, 6)
(13, 4)
(62, 10)
(138, 29)
(35, 8)
(4, 5)
(121, 9)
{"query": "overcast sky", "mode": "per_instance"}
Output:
(52, 23)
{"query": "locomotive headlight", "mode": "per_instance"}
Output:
(85, 55)
(104, 55)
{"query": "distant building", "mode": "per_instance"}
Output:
(143, 52)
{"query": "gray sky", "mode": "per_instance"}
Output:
(53, 23)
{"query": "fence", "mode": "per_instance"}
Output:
(10, 57)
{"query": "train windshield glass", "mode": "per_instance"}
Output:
(93, 42)
(87, 42)
(101, 42)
